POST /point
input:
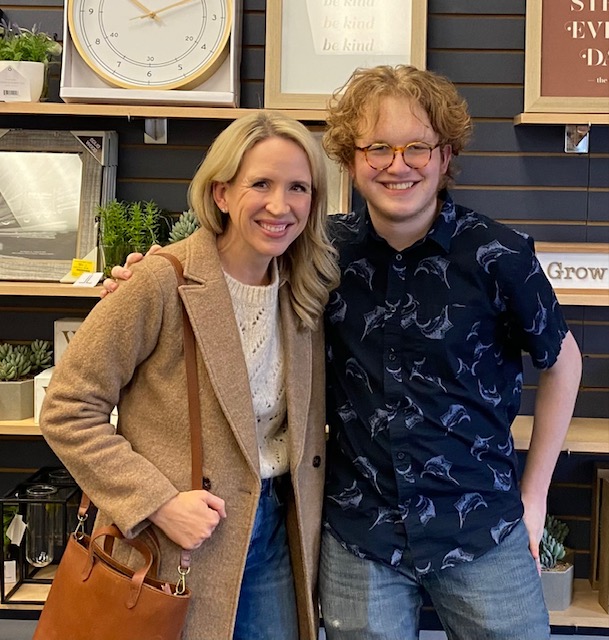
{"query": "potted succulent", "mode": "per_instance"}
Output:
(18, 366)
(556, 568)
(186, 224)
(126, 227)
(27, 52)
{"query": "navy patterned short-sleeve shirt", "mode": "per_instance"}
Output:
(424, 380)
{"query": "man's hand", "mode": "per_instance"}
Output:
(190, 518)
(534, 518)
(124, 273)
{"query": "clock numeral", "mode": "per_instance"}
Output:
(149, 58)
(180, 67)
(149, 74)
(97, 41)
(90, 11)
(214, 16)
(114, 34)
(204, 46)
(118, 63)
(189, 38)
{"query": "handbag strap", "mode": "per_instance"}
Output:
(194, 415)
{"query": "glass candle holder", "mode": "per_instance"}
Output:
(42, 524)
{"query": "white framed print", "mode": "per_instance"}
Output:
(313, 46)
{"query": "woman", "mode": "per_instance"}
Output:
(258, 274)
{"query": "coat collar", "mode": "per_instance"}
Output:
(217, 337)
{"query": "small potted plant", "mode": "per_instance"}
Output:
(126, 227)
(27, 52)
(556, 569)
(18, 366)
(184, 226)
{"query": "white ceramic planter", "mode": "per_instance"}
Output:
(35, 72)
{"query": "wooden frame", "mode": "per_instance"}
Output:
(305, 65)
(51, 183)
(578, 271)
(561, 71)
(339, 181)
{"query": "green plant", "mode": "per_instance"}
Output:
(126, 227)
(26, 45)
(184, 226)
(22, 362)
(8, 513)
(552, 548)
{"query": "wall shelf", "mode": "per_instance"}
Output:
(585, 435)
(583, 297)
(50, 289)
(561, 118)
(144, 111)
(585, 610)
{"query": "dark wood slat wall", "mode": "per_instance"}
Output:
(518, 175)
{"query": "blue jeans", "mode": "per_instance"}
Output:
(496, 597)
(267, 603)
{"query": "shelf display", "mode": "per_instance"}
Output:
(50, 185)
(153, 52)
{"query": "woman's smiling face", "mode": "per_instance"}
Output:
(268, 203)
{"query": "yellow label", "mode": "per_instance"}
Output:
(81, 266)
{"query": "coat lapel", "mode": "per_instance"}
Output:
(298, 353)
(217, 337)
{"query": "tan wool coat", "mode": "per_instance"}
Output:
(128, 352)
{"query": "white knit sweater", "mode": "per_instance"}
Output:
(257, 314)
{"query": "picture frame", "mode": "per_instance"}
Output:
(51, 183)
(339, 181)
(569, 266)
(336, 36)
(566, 70)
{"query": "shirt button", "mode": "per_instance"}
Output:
(398, 257)
(401, 455)
(392, 357)
(317, 462)
(206, 484)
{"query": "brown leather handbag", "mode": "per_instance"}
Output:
(95, 597)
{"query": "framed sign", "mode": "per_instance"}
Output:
(567, 60)
(313, 46)
(50, 185)
(578, 272)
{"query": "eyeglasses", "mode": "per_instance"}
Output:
(379, 155)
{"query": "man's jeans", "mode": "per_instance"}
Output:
(495, 597)
(267, 604)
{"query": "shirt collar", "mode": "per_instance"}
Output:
(441, 232)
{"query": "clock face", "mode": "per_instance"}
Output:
(151, 44)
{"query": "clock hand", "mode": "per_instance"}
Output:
(166, 8)
(149, 13)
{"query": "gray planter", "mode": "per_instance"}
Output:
(17, 400)
(557, 585)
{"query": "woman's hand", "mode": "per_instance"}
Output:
(124, 273)
(190, 518)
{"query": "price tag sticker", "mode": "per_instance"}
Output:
(14, 87)
(81, 266)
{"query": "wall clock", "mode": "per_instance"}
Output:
(151, 44)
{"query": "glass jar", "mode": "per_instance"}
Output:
(42, 524)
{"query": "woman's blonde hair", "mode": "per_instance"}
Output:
(309, 265)
(351, 112)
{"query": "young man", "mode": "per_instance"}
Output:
(424, 376)
(424, 339)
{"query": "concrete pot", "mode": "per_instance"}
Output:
(557, 585)
(35, 72)
(17, 400)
